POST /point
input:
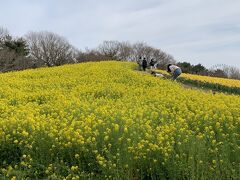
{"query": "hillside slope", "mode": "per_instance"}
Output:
(106, 120)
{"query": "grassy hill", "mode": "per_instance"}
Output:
(106, 120)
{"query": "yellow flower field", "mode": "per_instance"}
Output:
(105, 120)
(215, 80)
(209, 79)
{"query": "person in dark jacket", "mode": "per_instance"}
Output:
(144, 64)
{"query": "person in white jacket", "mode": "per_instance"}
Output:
(174, 70)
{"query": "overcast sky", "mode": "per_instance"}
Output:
(197, 31)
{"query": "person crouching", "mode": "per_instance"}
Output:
(174, 70)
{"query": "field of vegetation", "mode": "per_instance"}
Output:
(218, 84)
(214, 80)
(105, 120)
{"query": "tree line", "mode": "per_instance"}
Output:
(219, 70)
(38, 49)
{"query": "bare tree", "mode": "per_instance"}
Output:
(50, 48)
(3, 33)
(109, 49)
(141, 49)
(235, 73)
(138, 51)
(227, 71)
(124, 51)
(231, 71)
(90, 55)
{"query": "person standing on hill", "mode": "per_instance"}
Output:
(152, 64)
(139, 61)
(174, 70)
(144, 64)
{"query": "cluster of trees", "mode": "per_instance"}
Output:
(13, 52)
(50, 49)
(37, 49)
(193, 69)
(221, 70)
(125, 51)
(226, 71)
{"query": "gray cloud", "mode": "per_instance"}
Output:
(199, 31)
